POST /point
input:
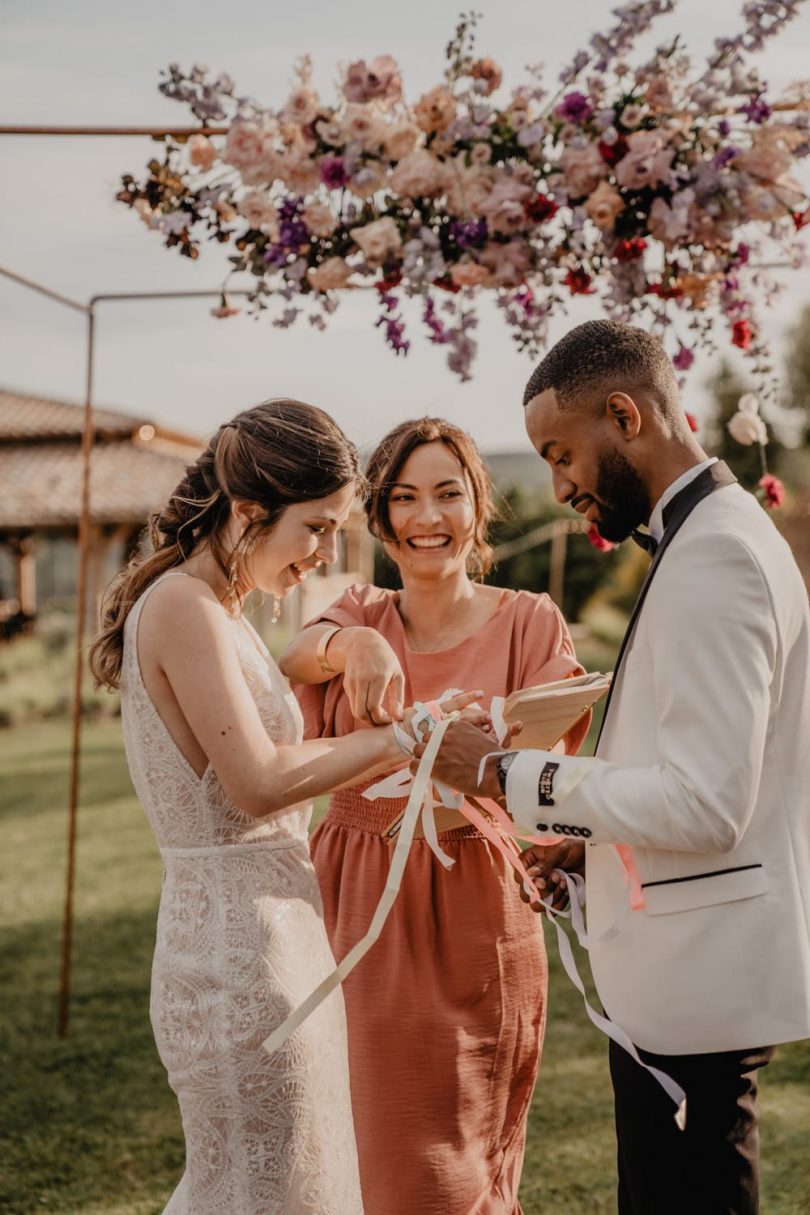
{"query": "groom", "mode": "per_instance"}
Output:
(702, 767)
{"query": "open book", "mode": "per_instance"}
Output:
(551, 709)
(547, 712)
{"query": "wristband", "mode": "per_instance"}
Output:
(320, 653)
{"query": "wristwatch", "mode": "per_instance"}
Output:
(502, 764)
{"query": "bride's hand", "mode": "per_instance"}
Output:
(467, 706)
(372, 675)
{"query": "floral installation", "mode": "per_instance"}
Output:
(747, 427)
(664, 190)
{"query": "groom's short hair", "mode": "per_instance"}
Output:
(605, 356)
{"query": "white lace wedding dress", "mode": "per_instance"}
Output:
(241, 941)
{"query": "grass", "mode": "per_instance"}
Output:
(88, 1126)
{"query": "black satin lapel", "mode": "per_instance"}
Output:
(675, 515)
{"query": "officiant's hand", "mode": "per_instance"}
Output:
(545, 867)
(372, 676)
(463, 747)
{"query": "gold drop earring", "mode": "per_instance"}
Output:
(276, 610)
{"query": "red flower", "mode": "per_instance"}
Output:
(388, 283)
(578, 282)
(629, 250)
(741, 334)
(800, 218)
(541, 207)
(692, 420)
(446, 283)
(773, 491)
(612, 153)
(665, 291)
(598, 540)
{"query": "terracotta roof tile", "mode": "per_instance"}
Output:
(40, 483)
(26, 418)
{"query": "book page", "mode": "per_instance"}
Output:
(549, 710)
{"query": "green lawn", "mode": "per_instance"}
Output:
(89, 1125)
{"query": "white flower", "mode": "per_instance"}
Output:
(748, 428)
(748, 403)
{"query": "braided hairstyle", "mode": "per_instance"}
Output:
(275, 454)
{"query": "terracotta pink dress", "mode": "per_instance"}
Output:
(447, 1011)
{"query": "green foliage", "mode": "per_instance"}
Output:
(89, 1126)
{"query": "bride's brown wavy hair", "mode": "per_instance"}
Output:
(275, 454)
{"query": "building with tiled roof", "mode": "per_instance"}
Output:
(135, 465)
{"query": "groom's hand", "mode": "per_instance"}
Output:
(545, 867)
(462, 749)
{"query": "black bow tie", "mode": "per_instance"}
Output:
(645, 540)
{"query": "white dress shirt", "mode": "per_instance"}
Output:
(656, 524)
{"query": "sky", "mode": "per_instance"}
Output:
(98, 62)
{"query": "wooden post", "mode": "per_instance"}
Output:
(22, 549)
(556, 577)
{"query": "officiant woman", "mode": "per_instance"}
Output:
(446, 1013)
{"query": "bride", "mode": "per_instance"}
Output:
(213, 739)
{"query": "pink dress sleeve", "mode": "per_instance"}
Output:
(545, 653)
(320, 702)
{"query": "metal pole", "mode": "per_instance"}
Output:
(78, 679)
(153, 132)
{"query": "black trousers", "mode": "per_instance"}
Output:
(712, 1167)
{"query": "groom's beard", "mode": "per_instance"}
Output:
(624, 502)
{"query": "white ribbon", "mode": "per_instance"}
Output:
(576, 895)
(420, 793)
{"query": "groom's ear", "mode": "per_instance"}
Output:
(623, 413)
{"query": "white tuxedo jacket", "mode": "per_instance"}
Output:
(703, 768)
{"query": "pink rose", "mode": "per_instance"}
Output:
(583, 168)
(647, 161)
(604, 205)
(508, 264)
(368, 179)
(257, 208)
(468, 274)
(419, 175)
(503, 208)
(319, 219)
(467, 186)
(669, 224)
(333, 274)
(400, 139)
(435, 110)
(375, 81)
(363, 125)
(302, 106)
(299, 172)
(245, 143)
(377, 240)
(201, 152)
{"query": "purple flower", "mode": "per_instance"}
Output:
(438, 333)
(756, 110)
(290, 207)
(394, 326)
(333, 172)
(683, 359)
(742, 254)
(469, 233)
(275, 255)
(574, 107)
(724, 126)
(725, 156)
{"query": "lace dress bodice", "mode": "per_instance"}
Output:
(184, 809)
(241, 941)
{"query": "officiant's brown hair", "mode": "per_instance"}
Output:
(388, 459)
(276, 454)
